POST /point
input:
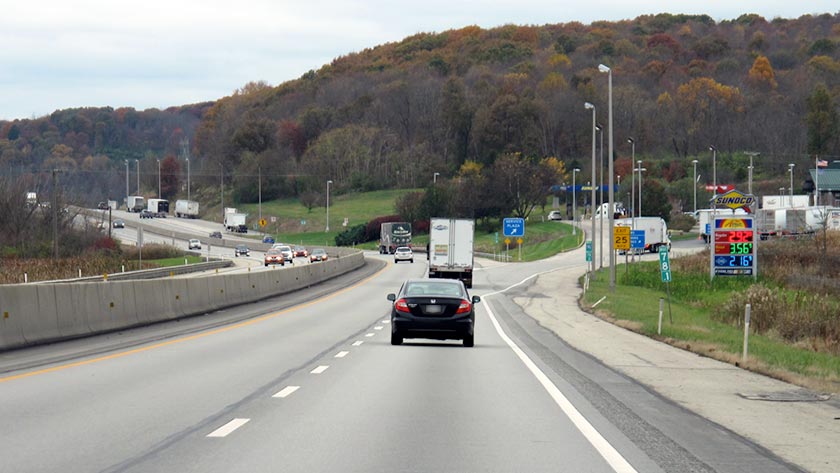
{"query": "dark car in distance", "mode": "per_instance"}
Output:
(268, 239)
(241, 250)
(215, 234)
(439, 309)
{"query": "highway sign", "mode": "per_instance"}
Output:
(514, 227)
(621, 240)
(588, 251)
(664, 264)
(637, 239)
(519, 240)
(262, 222)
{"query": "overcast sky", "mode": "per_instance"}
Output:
(59, 54)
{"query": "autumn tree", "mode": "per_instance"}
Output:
(761, 74)
(822, 121)
(170, 177)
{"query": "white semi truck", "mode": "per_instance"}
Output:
(655, 228)
(451, 249)
(186, 209)
(235, 222)
(135, 203)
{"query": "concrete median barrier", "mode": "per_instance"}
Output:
(38, 313)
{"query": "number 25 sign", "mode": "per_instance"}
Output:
(621, 238)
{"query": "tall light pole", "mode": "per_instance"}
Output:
(126, 184)
(601, 190)
(159, 194)
(790, 169)
(714, 184)
(694, 180)
(751, 154)
(588, 105)
(434, 178)
(328, 206)
(574, 201)
(222, 188)
(639, 162)
(137, 162)
(259, 190)
(188, 179)
(603, 68)
(633, 160)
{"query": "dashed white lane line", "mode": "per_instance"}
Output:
(341, 354)
(286, 392)
(319, 369)
(226, 429)
(358, 343)
(378, 327)
(386, 321)
(370, 334)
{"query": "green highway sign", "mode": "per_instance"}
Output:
(664, 264)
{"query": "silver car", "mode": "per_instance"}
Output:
(403, 253)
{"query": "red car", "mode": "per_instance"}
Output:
(300, 252)
(274, 256)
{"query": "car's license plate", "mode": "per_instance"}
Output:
(434, 309)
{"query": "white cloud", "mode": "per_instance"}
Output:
(156, 53)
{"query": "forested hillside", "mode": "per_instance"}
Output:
(395, 114)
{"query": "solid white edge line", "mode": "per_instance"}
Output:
(286, 392)
(378, 327)
(228, 428)
(358, 343)
(341, 354)
(618, 463)
(319, 369)
(370, 334)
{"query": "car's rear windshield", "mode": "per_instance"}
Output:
(433, 288)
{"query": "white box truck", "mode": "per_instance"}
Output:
(393, 235)
(235, 222)
(451, 249)
(186, 209)
(135, 203)
(159, 207)
(655, 228)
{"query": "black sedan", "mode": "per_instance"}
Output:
(440, 309)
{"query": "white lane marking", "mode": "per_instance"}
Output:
(319, 369)
(357, 343)
(618, 463)
(341, 354)
(386, 321)
(287, 391)
(226, 429)
(378, 327)
(370, 334)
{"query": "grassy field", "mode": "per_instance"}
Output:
(635, 305)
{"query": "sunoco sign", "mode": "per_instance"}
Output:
(734, 200)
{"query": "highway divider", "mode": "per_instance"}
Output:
(31, 314)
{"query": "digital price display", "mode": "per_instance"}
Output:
(734, 250)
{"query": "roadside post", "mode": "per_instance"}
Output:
(519, 242)
(746, 331)
(659, 325)
(665, 269)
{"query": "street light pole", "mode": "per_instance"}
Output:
(188, 179)
(639, 162)
(574, 201)
(790, 167)
(611, 207)
(328, 206)
(601, 190)
(694, 180)
(434, 178)
(126, 184)
(592, 198)
(751, 155)
(137, 162)
(259, 190)
(159, 194)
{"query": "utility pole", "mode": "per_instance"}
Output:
(185, 153)
(55, 212)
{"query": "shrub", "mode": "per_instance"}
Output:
(682, 222)
(351, 236)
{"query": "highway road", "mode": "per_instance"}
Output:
(309, 382)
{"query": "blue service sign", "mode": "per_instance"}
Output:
(514, 227)
(637, 239)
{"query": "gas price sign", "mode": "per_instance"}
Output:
(734, 251)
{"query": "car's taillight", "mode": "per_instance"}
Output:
(464, 308)
(401, 306)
